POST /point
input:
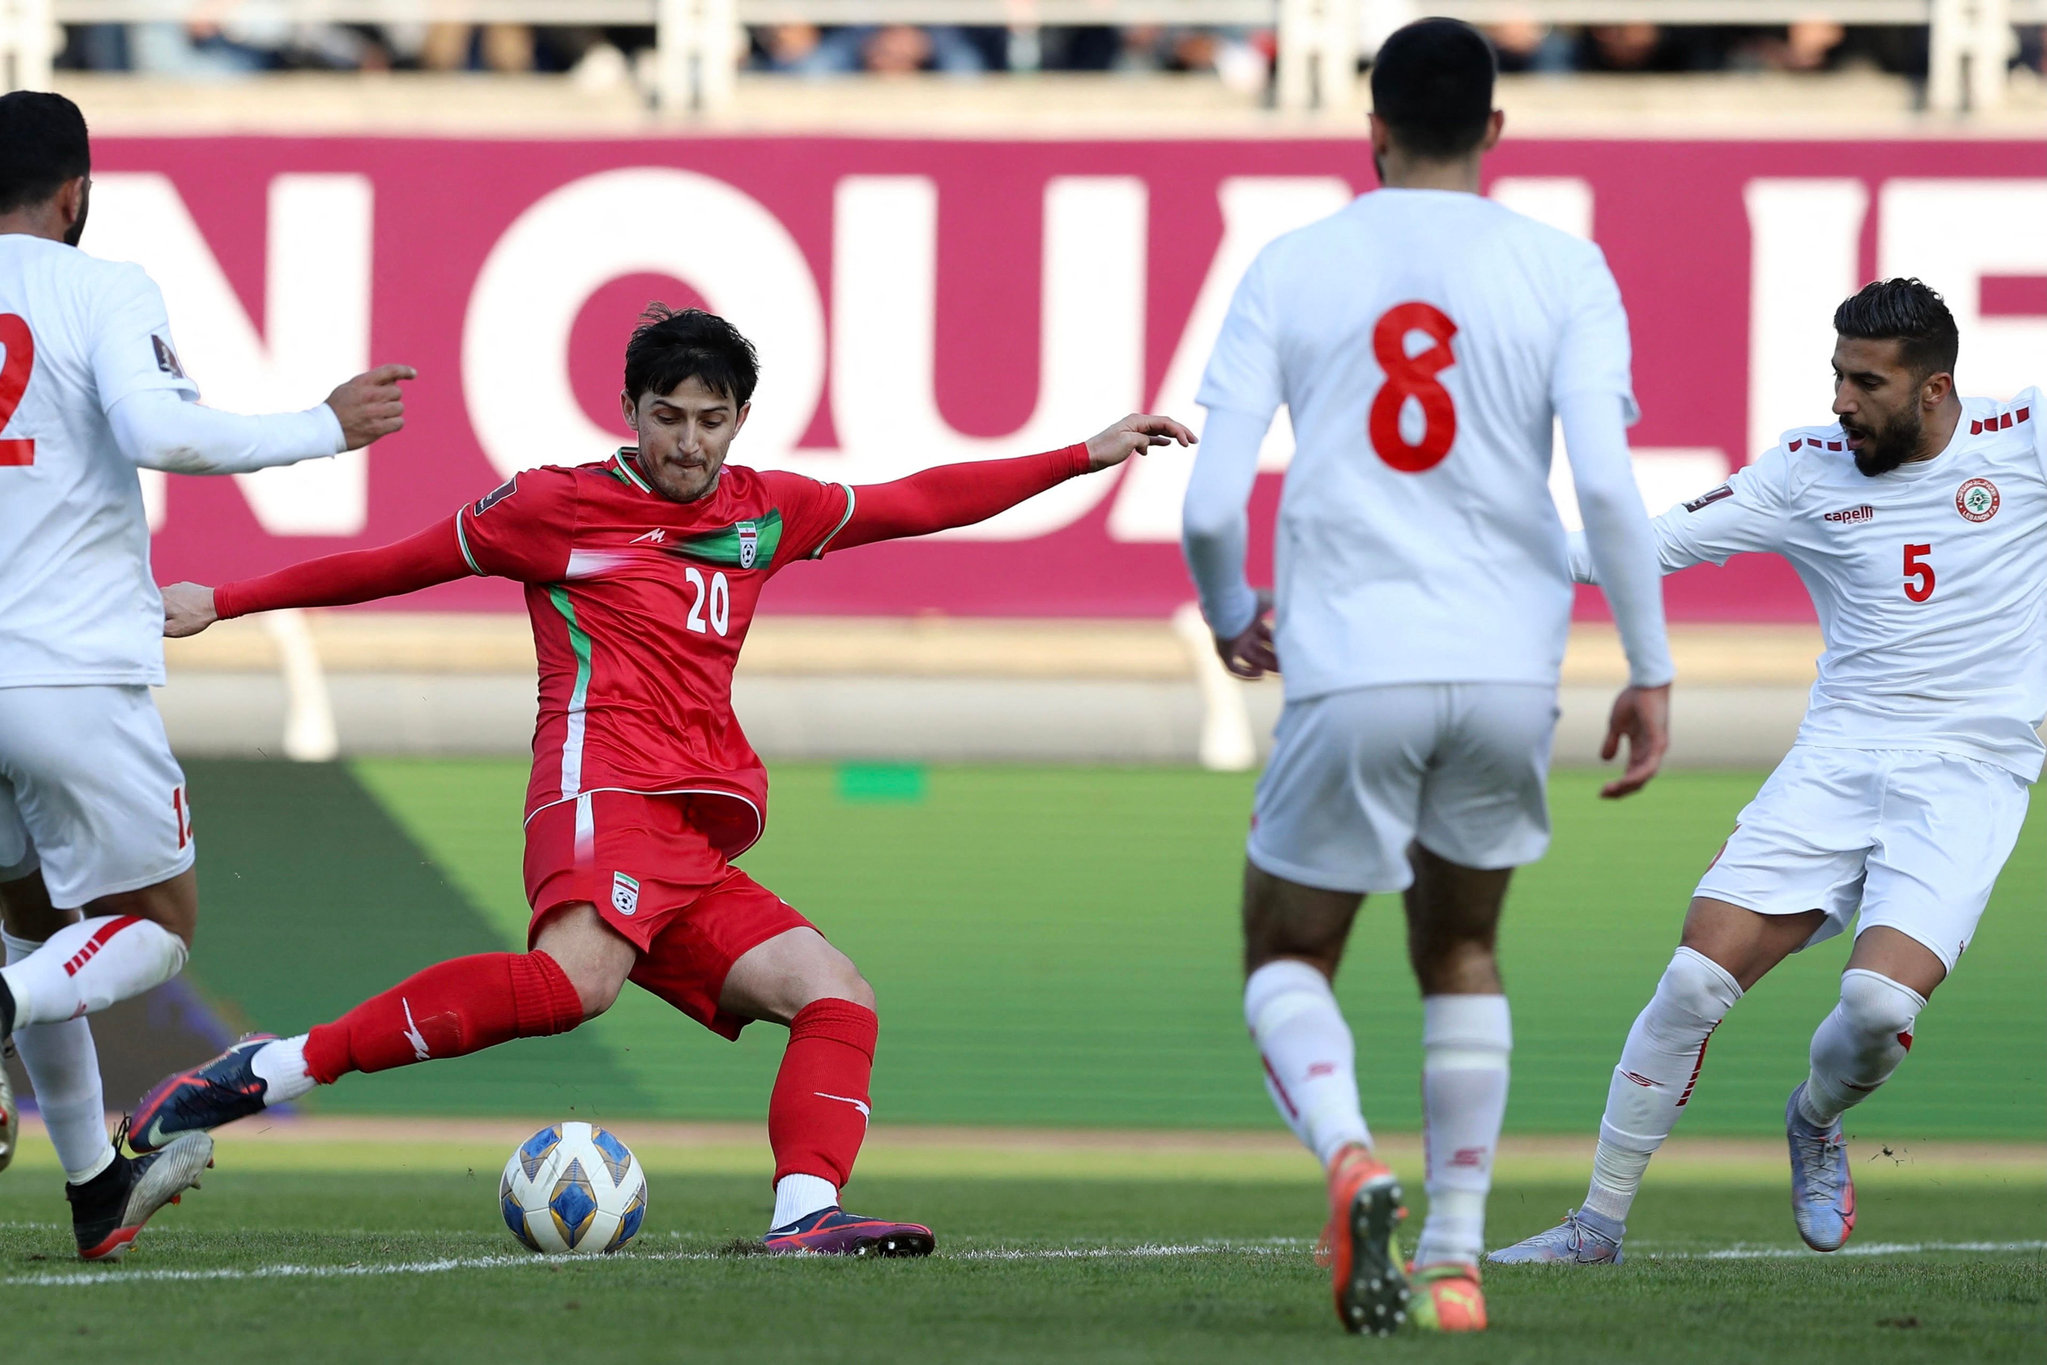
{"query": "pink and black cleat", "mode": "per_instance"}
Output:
(834, 1232)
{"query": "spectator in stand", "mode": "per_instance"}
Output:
(878, 49)
(1525, 46)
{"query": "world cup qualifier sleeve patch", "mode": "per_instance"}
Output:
(625, 894)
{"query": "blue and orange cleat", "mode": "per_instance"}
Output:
(196, 1101)
(834, 1232)
(1822, 1186)
(1365, 1213)
(108, 1210)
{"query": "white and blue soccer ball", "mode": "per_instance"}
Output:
(573, 1187)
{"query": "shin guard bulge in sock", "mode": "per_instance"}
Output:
(87, 966)
(1859, 1044)
(450, 1009)
(1466, 1040)
(64, 1068)
(1658, 1068)
(1306, 1048)
(818, 1111)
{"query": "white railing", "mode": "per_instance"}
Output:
(699, 45)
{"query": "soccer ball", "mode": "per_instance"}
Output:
(573, 1187)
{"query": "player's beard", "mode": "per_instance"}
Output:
(1890, 445)
(78, 227)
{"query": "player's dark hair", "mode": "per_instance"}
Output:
(1432, 86)
(670, 346)
(1908, 312)
(42, 144)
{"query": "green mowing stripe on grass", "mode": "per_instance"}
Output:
(1059, 946)
(312, 899)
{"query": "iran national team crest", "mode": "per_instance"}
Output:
(749, 543)
(625, 894)
(1977, 500)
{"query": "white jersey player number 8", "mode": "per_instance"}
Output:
(1413, 376)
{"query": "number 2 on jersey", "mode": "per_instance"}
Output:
(1413, 376)
(21, 358)
(1918, 573)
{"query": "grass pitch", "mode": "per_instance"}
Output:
(409, 1263)
(1059, 947)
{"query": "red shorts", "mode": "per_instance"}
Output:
(655, 878)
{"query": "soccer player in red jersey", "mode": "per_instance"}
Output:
(642, 573)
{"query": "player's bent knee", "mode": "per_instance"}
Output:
(1877, 1006)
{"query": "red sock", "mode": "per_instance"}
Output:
(451, 1009)
(817, 1116)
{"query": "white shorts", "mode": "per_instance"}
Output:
(1912, 840)
(1356, 776)
(89, 792)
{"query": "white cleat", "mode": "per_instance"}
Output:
(1583, 1238)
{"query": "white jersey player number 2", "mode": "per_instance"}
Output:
(20, 346)
(1413, 376)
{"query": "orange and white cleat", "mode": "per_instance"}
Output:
(1447, 1298)
(1365, 1213)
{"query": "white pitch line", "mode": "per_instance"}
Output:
(1144, 1251)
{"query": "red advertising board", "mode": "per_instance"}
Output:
(919, 301)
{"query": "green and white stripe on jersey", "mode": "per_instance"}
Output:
(572, 741)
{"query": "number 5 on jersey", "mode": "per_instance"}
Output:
(1918, 573)
(1413, 377)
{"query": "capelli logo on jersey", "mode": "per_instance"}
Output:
(1977, 500)
(1852, 516)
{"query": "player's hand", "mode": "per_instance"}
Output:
(1641, 715)
(187, 610)
(1249, 654)
(1131, 436)
(371, 405)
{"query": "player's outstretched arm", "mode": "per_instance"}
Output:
(160, 428)
(419, 561)
(946, 496)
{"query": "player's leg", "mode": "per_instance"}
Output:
(820, 1107)
(1800, 844)
(102, 799)
(1333, 817)
(60, 1059)
(1947, 827)
(573, 972)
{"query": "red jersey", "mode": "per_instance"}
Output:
(639, 606)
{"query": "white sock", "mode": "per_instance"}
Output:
(282, 1068)
(799, 1196)
(1466, 1040)
(87, 966)
(1859, 1045)
(64, 1069)
(1658, 1068)
(1310, 1065)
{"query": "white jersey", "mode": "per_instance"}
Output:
(1930, 581)
(1422, 341)
(77, 601)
